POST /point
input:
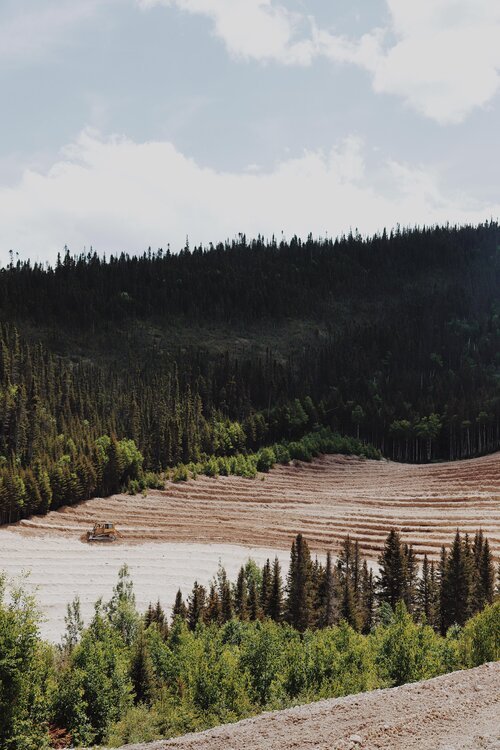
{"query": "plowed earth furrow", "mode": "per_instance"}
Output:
(327, 499)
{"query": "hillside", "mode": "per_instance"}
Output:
(393, 339)
(458, 711)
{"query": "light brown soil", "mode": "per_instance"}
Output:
(459, 711)
(325, 500)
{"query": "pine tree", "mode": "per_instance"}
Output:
(179, 610)
(391, 581)
(299, 605)
(265, 588)
(141, 670)
(424, 593)
(254, 610)
(196, 606)
(276, 599)
(455, 586)
(226, 600)
(330, 611)
(410, 571)
(241, 596)
(367, 598)
(213, 609)
(486, 576)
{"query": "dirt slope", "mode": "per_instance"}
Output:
(459, 711)
(325, 500)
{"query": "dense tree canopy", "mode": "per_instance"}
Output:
(109, 368)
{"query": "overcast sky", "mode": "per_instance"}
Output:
(133, 123)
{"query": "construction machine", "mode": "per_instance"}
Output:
(103, 532)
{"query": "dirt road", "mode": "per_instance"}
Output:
(458, 711)
(325, 500)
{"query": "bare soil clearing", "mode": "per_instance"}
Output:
(175, 536)
(458, 711)
(61, 568)
(325, 500)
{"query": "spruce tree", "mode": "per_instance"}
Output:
(299, 604)
(254, 610)
(330, 610)
(141, 670)
(196, 606)
(455, 586)
(423, 593)
(276, 599)
(226, 599)
(179, 610)
(391, 581)
(241, 596)
(367, 598)
(410, 569)
(486, 576)
(265, 588)
(213, 609)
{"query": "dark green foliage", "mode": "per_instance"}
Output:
(196, 606)
(114, 684)
(299, 588)
(179, 610)
(393, 340)
(142, 671)
(392, 579)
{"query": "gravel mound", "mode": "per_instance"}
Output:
(458, 711)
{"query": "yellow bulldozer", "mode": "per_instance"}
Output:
(103, 532)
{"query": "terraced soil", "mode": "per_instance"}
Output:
(327, 499)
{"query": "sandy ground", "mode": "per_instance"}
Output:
(61, 568)
(459, 711)
(174, 536)
(325, 500)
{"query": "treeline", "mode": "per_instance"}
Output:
(59, 423)
(317, 595)
(258, 643)
(400, 350)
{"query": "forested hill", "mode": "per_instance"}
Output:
(394, 339)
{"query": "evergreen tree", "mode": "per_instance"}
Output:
(276, 600)
(241, 596)
(141, 670)
(265, 589)
(299, 604)
(455, 586)
(196, 606)
(213, 610)
(367, 598)
(391, 581)
(226, 600)
(254, 610)
(179, 610)
(330, 610)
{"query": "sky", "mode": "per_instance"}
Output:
(128, 124)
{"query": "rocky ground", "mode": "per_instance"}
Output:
(458, 711)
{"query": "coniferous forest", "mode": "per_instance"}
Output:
(114, 370)
(238, 648)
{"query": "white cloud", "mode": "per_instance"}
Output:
(251, 29)
(441, 56)
(120, 195)
(446, 59)
(33, 31)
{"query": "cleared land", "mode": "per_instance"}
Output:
(174, 537)
(458, 711)
(327, 499)
(62, 568)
